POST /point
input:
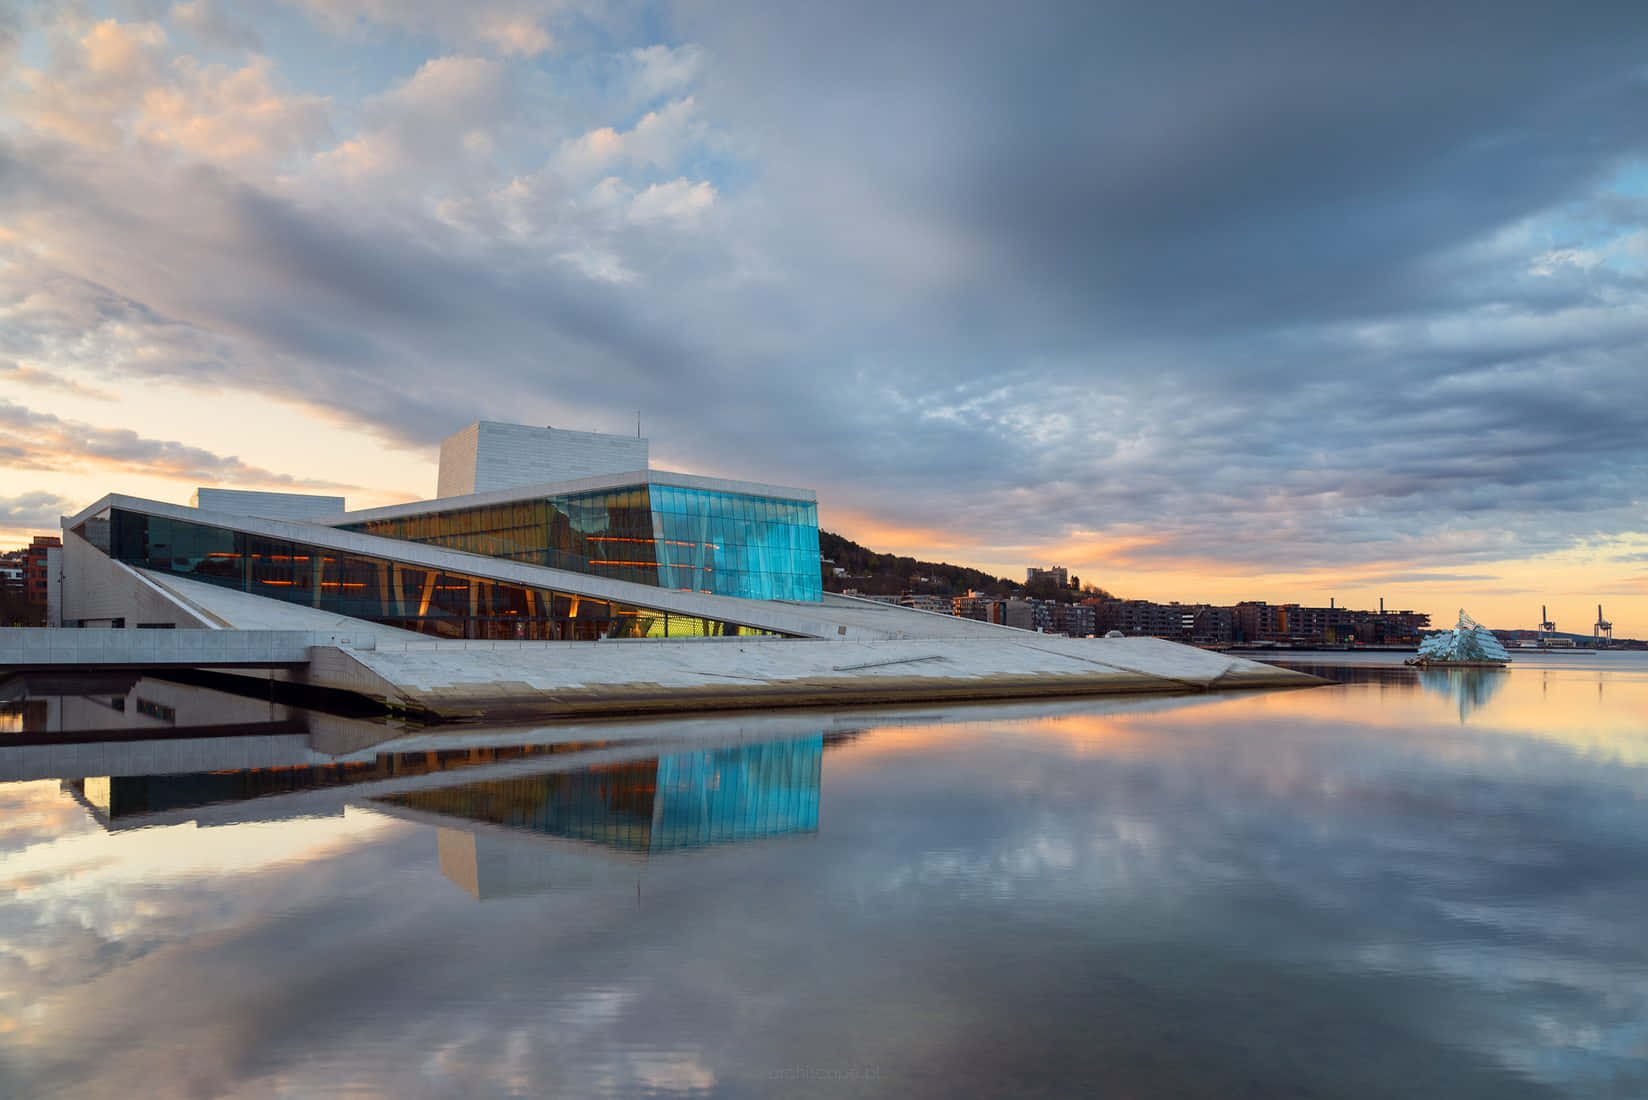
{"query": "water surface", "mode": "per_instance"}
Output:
(1399, 885)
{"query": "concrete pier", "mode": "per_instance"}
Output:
(616, 679)
(456, 679)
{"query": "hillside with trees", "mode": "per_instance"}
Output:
(874, 574)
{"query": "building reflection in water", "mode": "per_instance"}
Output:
(515, 810)
(682, 800)
(616, 814)
(117, 799)
(1469, 687)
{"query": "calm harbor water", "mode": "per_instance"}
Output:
(1398, 885)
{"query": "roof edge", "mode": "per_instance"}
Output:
(557, 488)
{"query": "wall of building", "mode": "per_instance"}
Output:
(99, 591)
(456, 476)
(54, 586)
(488, 455)
(245, 502)
(39, 573)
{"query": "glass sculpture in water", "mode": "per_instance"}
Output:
(1468, 643)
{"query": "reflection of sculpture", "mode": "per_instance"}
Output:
(1472, 687)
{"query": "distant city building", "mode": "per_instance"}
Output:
(975, 605)
(1041, 615)
(1019, 613)
(941, 605)
(1078, 620)
(40, 560)
(1255, 621)
(1145, 617)
(13, 603)
(1058, 573)
(1213, 626)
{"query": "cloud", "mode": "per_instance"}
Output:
(18, 374)
(33, 440)
(208, 20)
(658, 139)
(217, 114)
(1218, 292)
(660, 72)
(443, 114)
(115, 83)
(680, 201)
(510, 27)
(32, 511)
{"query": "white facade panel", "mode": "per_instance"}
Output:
(246, 502)
(457, 471)
(488, 456)
(99, 591)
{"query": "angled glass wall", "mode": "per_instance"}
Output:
(703, 540)
(436, 602)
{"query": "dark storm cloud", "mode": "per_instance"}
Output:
(1215, 203)
(1203, 162)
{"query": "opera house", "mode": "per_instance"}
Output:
(538, 542)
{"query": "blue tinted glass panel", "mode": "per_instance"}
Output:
(729, 544)
(737, 794)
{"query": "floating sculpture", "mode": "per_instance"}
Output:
(1468, 645)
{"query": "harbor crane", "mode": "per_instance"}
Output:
(1603, 628)
(1546, 626)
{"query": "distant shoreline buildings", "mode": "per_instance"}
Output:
(1251, 622)
(25, 588)
(1053, 601)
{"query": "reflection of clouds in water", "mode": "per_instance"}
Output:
(962, 914)
(1470, 687)
(1460, 841)
(36, 813)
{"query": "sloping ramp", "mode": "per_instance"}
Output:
(613, 679)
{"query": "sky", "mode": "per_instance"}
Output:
(1319, 301)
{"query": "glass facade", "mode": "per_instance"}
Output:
(703, 540)
(440, 603)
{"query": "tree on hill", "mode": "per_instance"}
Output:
(892, 574)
